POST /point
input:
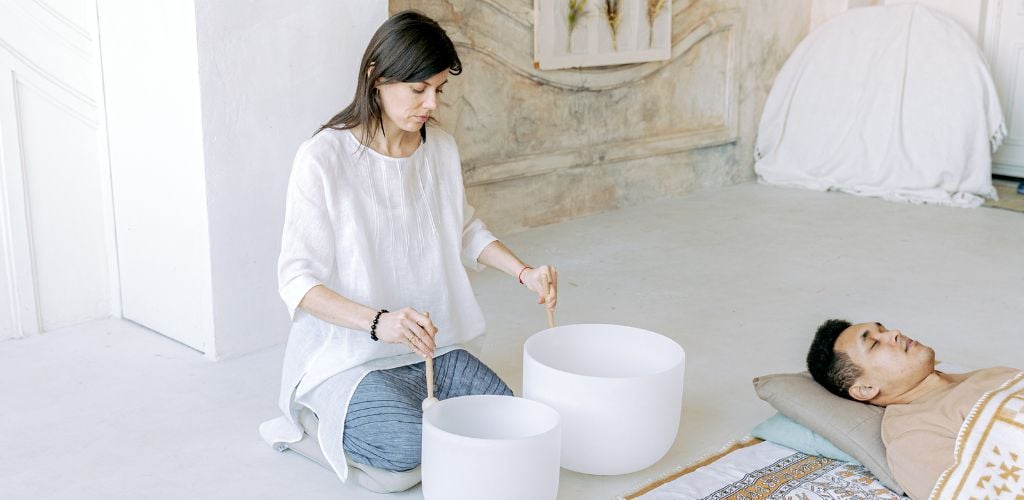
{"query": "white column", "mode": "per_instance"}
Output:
(207, 103)
(154, 131)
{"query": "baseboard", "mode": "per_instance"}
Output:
(1008, 170)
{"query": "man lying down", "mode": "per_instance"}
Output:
(925, 409)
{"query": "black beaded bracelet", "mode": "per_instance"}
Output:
(373, 326)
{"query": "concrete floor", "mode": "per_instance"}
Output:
(739, 277)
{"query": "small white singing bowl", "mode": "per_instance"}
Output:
(493, 447)
(618, 389)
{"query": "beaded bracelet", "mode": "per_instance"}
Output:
(373, 326)
(521, 274)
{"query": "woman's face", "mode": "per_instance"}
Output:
(408, 105)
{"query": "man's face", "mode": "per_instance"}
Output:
(891, 362)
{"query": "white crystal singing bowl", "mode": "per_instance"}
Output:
(493, 447)
(618, 389)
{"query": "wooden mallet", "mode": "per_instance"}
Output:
(430, 380)
(551, 311)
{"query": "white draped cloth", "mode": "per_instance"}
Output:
(384, 232)
(894, 102)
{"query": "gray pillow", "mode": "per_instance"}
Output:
(855, 428)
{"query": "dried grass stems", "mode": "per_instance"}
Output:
(654, 8)
(576, 13)
(613, 14)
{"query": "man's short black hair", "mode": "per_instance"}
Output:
(833, 370)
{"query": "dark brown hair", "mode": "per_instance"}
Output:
(834, 370)
(408, 47)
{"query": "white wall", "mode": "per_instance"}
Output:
(823, 10)
(970, 14)
(269, 75)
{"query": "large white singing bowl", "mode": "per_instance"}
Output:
(493, 447)
(618, 389)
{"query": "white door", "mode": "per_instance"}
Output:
(1004, 46)
(56, 240)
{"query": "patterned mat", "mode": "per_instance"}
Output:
(1009, 199)
(759, 470)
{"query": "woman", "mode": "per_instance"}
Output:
(376, 241)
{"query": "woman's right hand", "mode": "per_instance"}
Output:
(408, 326)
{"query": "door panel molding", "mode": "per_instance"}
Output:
(50, 79)
(17, 240)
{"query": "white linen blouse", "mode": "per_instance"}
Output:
(384, 232)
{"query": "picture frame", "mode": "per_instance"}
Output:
(587, 39)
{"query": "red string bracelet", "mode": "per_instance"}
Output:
(521, 274)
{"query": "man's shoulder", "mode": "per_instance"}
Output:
(944, 412)
(979, 382)
(924, 415)
(896, 413)
(995, 372)
(907, 428)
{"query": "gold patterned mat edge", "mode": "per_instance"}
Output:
(1009, 199)
(672, 476)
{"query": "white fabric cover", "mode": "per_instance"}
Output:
(894, 102)
(280, 434)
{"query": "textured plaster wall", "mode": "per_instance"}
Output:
(543, 146)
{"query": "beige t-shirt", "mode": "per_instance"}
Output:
(920, 437)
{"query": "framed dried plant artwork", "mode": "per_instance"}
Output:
(581, 33)
(654, 11)
(577, 10)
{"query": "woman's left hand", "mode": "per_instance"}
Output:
(544, 281)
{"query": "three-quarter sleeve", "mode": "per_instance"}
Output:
(307, 239)
(475, 237)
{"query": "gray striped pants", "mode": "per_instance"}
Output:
(383, 426)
